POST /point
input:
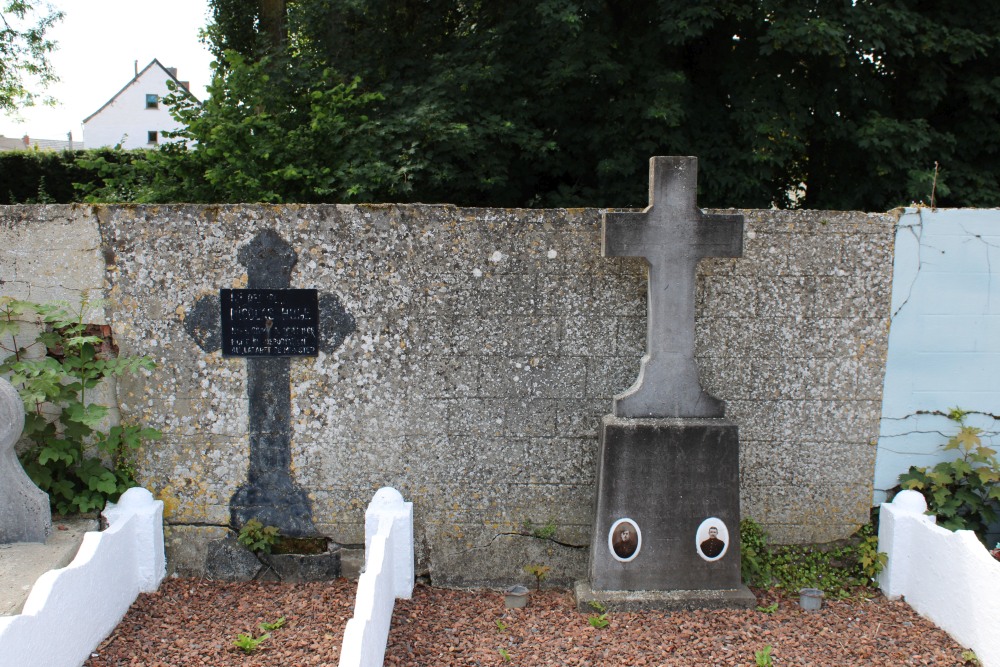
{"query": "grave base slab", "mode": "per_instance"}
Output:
(588, 600)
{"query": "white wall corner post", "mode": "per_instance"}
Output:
(894, 539)
(388, 505)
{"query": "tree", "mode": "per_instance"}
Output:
(24, 50)
(825, 104)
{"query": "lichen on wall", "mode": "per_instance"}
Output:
(488, 345)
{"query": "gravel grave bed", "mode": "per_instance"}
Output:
(191, 622)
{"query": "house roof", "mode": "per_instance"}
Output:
(170, 75)
(13, 144)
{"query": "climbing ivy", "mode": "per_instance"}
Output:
(839, 571)
(70, 457)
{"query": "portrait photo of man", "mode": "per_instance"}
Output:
(624, 539)
(713, 546)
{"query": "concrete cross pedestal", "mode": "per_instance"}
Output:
(24, 508)
(666, 534)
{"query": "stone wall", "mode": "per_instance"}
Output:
(488, 345)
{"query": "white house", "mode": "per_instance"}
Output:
(136, 116)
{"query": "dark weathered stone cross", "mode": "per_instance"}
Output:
(270, 495)
(671, 234)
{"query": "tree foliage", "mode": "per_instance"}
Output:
(24, 50)
(821, 104)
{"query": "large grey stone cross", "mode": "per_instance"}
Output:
(671, 234)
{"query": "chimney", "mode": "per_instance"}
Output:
(186, 85)
(172, 71)
(136, 69)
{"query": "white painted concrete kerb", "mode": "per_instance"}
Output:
(71, 610)
(947, 577)
(388, 575)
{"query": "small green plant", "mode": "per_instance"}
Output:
(257, 537)
(79, 465)
(271, 627)
(971, 658)
(501, 626)
(248, 643)
(542, 532)
(769, 609)
(755, 558)
(539, 572)
(505, 655)
(870, 560)
(763, 657)
(598, 621)
(963, 493)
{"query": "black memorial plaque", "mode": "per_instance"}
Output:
(269, 322)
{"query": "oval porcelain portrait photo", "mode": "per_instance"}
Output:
(624, 540)
(712, 539)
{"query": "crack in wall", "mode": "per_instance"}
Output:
(940, 413)
(912, 228)
(196, 524)
(516, 534)
(945, 436)
(989, 264)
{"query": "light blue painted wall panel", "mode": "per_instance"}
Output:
(952, 294)
(940, 332)
(944, 342)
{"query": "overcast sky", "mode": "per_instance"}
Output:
(98, 44)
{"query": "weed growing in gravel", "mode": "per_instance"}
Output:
(769, 609)
(248, 643)
(600, 619)
(505, 655)
(501, 626)
(269, 627)
(763, 657)
(971, 658)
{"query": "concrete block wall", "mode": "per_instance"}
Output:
(488, 345)
(793, 337)
(945, 338)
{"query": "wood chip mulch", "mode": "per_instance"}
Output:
(192, 622)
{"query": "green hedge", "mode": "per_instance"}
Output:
(50, 177)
